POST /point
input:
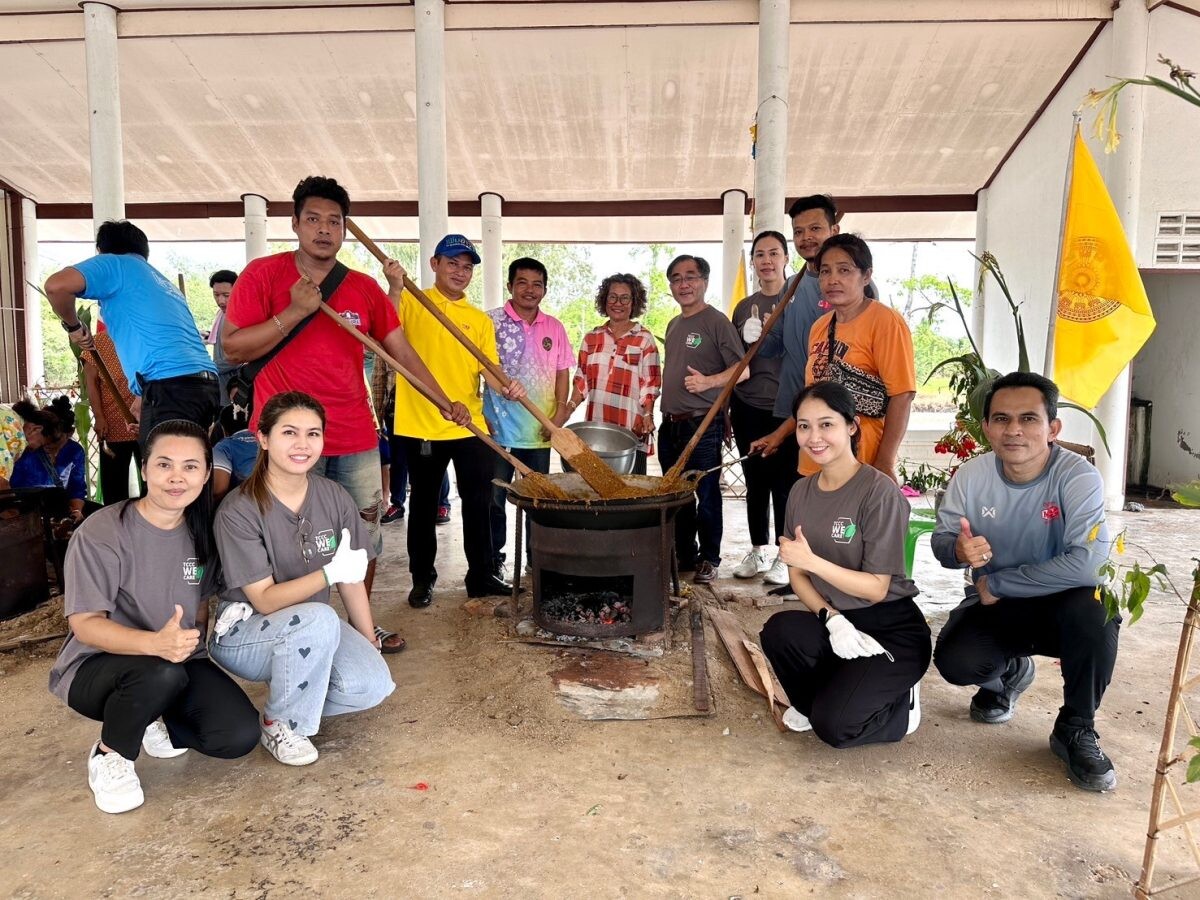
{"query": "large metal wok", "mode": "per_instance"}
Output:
(585, 509)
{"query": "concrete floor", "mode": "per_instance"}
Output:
(472, 780)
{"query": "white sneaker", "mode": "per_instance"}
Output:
(157, 742)
(755, 563)
(796, 720)
(777, 573)
(114, 781)
(285, 745)
(914, 708)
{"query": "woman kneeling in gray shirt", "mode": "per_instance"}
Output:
(852, 671)
(285, 537)
(138, 578)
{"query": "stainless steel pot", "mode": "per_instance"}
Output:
(615, 445)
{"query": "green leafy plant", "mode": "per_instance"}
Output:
(971, 377)
(1105, 126)
(923, 478)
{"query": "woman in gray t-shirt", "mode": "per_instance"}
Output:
(285, 537)
(852, 671)
(138, 578)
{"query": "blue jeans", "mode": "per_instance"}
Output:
(538, 459)
(358, 473)
(315, 664)
(700, 517)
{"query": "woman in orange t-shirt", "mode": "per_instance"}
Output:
(867, 347)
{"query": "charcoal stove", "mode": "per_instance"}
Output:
(601, 568)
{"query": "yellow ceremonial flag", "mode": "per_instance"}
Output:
(1104, 316)
(738, 292)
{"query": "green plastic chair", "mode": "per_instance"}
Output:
(920, 521)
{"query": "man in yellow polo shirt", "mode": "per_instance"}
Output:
(431, 442)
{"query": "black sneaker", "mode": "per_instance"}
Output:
(1079, 747)
(993, 708)
(394, 514)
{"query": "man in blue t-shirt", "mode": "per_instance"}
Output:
(170, 373)
(1027, 522)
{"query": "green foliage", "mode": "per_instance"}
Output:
(924, 477)
(1187, 494)
(1193, 769)
(930, 348)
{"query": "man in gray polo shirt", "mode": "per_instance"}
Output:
(701, 348)
(1028, 521)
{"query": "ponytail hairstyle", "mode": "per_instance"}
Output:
(62, 408)
(272, 411)
(834, 395)
(198, 516)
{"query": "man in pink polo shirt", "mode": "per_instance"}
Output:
(534, 350)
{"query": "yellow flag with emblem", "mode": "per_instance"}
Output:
(1104, 316)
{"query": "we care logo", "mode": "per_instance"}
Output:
(326, 542)
(843, 530)
(193, 572)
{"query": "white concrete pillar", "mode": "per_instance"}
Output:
(978, 317)
(733, 239)
(432, 193)
(493, 251)
(35, 362)
(254, 208)
(770, 159)
(104, 113)
(1131, 24)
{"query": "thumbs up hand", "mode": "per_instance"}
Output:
(797, 553)
(974, 550)
(173, 643)
(697, 383)
(348, 566)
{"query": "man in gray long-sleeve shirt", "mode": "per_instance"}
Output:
(1028, 520)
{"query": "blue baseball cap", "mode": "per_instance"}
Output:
(456, 245)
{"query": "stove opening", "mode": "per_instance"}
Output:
(586, 599)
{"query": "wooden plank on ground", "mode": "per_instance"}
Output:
(731, 633)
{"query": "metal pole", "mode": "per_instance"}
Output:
(255, 211)
(1048, 359)
(35, 363)
(770, 160)
(493, 251)
(733, 238)
(1131, 24)
(432, 193)
(104, 113)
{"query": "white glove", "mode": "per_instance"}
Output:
(752, 330)
(231, 615)
(850, 643)
(347, 566)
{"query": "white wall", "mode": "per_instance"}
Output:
(1170, 158)
(1167, 372)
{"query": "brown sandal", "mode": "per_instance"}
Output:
(396, 644)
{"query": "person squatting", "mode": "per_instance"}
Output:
(823, 408)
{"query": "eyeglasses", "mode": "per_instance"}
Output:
(307, 548)
(676, 280)
(621, 301)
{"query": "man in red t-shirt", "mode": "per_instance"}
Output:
(275, 293)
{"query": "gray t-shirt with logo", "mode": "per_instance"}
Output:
(761, 388)
(255, 545)
(859, 526)
(709, 344)
(120, 564)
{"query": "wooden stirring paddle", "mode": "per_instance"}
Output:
(583, 459)
(673, 478)
(539, 484)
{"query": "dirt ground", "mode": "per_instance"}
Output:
(475, 779)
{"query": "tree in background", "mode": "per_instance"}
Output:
(924, 295)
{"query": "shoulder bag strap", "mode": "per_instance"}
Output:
(331, 283)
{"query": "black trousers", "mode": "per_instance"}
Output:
(538, 459)
(851, 701)
(202, 707)
(701, 518)
(196, 398)
(474, 466)
(114, 469)
(769, 480)
(978, 641)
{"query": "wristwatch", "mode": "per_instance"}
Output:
(824, 613)
(70, 329)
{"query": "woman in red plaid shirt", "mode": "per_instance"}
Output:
(619, 371)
